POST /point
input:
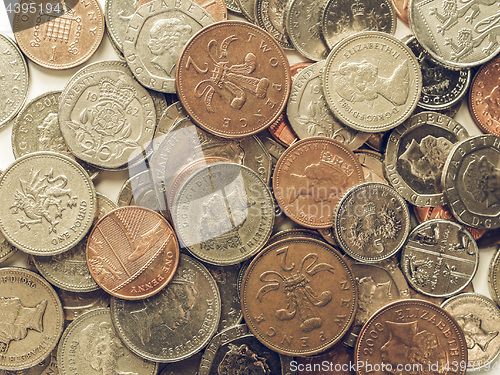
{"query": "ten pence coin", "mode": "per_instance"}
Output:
(50, 203)
(372, 81)
(311, 176)
(175, 323)
(299, 296)
(59, 37)
(412, 332)
(233, 79)
(90, 346)
(132, 252)
(31, 321)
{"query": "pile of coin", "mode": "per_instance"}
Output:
(311, 218)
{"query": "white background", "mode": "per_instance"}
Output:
(109, 183)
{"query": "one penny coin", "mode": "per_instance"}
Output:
(299, 296)
(233, 79)
(132, 252)
(311, 176)
(411, 333)
(59, 35)
(484, 97)
(31, 319)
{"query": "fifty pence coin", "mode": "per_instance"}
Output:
(411, 332)
(15, 80)
(59, 37)
(304, 30)
(155, 36)
(309, 114)
(441, 87)
(36, 128)
(241, 73)
(50, 203)
(132, 252)
(175, 323)
(484, 98)
(471, 181)
(31, 321)
(479, 318)
(459, 34)
(299, 291)
(106, 117)
(416, 154)
(310, 178)
(223, 213)
(494, 277)
(371, 222)
(372, 81)
(90, 346)
(69, 270)
(440, 258)
(343, 18)
(236, 351)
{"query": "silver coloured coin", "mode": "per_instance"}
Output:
(440, 258)
(118, 14)
(372, 222)
(237, 349)
(106, 117)
(309, 114)
(342, 18)
(69, 270)
(90, 346)
(138, 190)
(416, 154)
(247, 7)
(223, 214)
(6, 249)
(494, 277)
(471, 181)
(441, 87)
(373, 165)
(155, 36)
(372, 81)
(233, 6)
(15, 80)
(303, 25)
(36, 128)
(171, 116)
(457, 33)
(479, 318)
(187, 366)
(31, 321)
(270, 16)
(50, 203)
(175, 323)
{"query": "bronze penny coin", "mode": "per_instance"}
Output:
(59, 35)
(310, 178)
(132, 252)
(402, 9)
(299, 296)
(337, 361)
(484, 97)
(233, 79)
(411, 337)
(443, 212)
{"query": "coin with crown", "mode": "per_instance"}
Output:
(311, 176)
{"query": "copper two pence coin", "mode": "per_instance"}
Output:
(132, 252)
(233, 79)
(59, 35)
(311, 176)
(484, 97)
(411, 337)
(299, 296)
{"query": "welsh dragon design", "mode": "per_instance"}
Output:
(41, 197)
